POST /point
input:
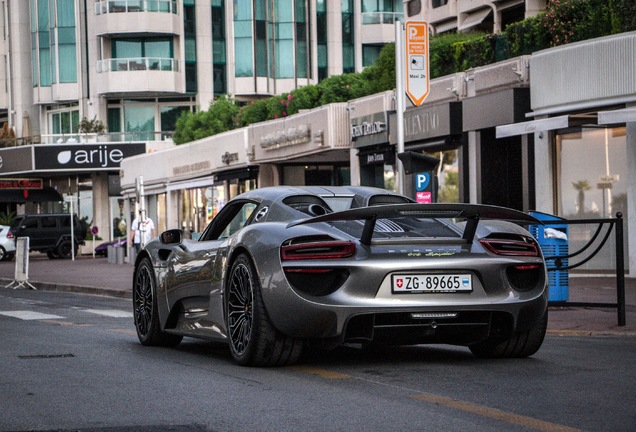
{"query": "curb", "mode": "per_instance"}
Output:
(98, 291)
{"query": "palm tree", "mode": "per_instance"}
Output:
(581, 186)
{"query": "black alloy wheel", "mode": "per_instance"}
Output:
(145, 309)
(253, 339)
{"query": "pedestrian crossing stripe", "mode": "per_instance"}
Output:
(113, 313)
(30, 315)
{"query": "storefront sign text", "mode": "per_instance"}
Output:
(21, 183)
(194, 167)
(286, 137)
(228, 158)
(367, 128)
(84, 156)
(421, 123)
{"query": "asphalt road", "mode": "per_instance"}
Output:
(72, 362)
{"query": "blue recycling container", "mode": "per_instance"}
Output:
(553, 240)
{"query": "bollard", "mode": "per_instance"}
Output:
(119, 255)
(110, 251)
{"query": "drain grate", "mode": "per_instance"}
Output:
(44, 356)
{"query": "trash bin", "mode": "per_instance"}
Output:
(553, 240)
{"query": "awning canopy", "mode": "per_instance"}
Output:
(46, 194)
(552, 123)
(625, 115)
(474, 19)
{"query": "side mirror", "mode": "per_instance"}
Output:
(171, 237)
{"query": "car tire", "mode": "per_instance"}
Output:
(3, 254)
(64, 249)
(522, 344)
(253, 339)
(146, 310)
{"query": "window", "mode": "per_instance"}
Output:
(243, 39)
(230, 220)
(348, 40)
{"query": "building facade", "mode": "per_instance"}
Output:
(122, 71)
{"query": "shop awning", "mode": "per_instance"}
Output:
(46, 194)
(552, 123)
(625, 115)
(474, 19)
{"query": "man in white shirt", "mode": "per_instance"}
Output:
(141, 231)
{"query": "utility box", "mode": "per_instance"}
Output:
(553, 240)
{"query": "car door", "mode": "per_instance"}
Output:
(195, 271)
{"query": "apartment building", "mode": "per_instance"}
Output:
(131, 67)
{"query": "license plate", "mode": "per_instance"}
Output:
(432, 283)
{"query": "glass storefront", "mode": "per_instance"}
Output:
(592, 183)
(316, 175)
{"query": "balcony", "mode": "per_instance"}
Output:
(140, 76)
(378, 27)
(117, 6)
(126, 17)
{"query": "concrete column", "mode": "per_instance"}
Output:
(474, 169)
(101, 204)
(544, 172)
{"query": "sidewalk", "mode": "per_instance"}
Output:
(97, 276)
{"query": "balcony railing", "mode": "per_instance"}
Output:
(88, 138)
(137, 64)
(118, 6)
(381, 17)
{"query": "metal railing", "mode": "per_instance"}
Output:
(137, 64)
(104, 137)
(562, 262)
(119, 6)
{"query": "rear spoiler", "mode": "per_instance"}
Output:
(471, 212)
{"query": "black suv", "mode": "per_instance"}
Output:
(50, 233)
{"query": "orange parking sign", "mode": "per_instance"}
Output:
(417, 62)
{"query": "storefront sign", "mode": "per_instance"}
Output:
(191, 168)
(370, 130)
(430, 122)
(16, 160)
(84, 156)
(367, 128)
(286, 137)
(378, 157)
(21, 183)
(228, 158)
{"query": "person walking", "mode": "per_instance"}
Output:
(142, 230)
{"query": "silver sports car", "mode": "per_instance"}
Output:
(284, 268)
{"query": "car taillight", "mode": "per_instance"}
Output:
(320, 250)
(521, 246)
(9, 234)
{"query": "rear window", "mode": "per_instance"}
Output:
(400, 228)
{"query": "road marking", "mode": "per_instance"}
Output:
(323, 373)
(30, 315)
(493, 413)
(125, 331)
(113, 313)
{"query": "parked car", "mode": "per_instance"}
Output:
(102, 248)
(51, 233)
(282, 268)
(7, 244)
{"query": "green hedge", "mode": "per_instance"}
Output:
(562, 22)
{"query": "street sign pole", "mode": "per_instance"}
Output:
(399, 102)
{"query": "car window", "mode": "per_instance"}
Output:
(48, 222)
(230, 219)
(30, 223)
(239, 220)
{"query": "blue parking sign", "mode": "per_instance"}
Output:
(421, 181)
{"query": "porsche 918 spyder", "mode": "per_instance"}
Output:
(284, 268)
